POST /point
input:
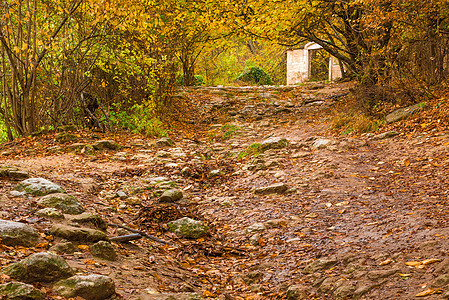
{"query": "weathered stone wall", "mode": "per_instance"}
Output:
(298, 65)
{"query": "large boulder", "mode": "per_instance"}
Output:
(90, 219)
(278, 188)
(89, 287)
(274, 143)
(39, 267)
(72, 233)
(20, 291)
(65, 203)
(189, 228)
(171, 195)
(18, 234)
(103, 250)
(13, 173)
(404, 113)
(106, 144)
(38, 187)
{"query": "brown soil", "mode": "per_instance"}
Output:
(369, 205)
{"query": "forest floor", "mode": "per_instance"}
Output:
(363, 216)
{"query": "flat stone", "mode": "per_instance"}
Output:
(91, 219)
(321, 144)
(274, 143)
(65, 137)
(72, 233)
(66, 203)
(278, 188)
(189, 228)
(403, 113)
(106, 144)
(255, 228)
(297, 292)
(13, 173)
(50, 212)
(18, 234)
(39, 267)
(320, 264)
(63, 248)
(379, 274)
(20, 291)
(89, 287)
(164, 142)
(38, 187)
(385, 135)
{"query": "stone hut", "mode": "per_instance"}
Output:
(299, 64)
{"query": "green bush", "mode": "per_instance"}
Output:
(255, 75)
(199, 80)
(139, 119)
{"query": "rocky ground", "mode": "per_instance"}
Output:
(285, 209)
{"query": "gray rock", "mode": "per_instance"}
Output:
(320, 264)
(50, 212)
(164, 142)
(90, 219)
(345, 290)
(380, 274)
(76, 146)
(441, 280)
(276, 223)
(171, 195)
(327, 284)
(42, 267)
(214, 173)
(278, 188)
(385, 135)
(106, 144)
(255, 228)
(404, 113)
(171, 296)
(72, 233)
(63, 248)
(89, 287)
(163, 154)
(13, 173)
(65, 137)
(18, 234)
(38, 187)
(273, 143)
(122, 194)
(321, 144)
(20, 291)
(66, 203)
(104, 250)
(254, 239)
(297, 292)
(189, 228)
(16, 194)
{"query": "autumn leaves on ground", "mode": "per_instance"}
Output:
(284, 207)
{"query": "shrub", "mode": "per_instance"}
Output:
(199, 80)
(255, 75)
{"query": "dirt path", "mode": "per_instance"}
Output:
(360, 219)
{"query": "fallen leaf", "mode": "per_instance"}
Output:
(430, 261)
(386, 262)
(413, 263)
(89, 261)
(83, 247)
(425, 293)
